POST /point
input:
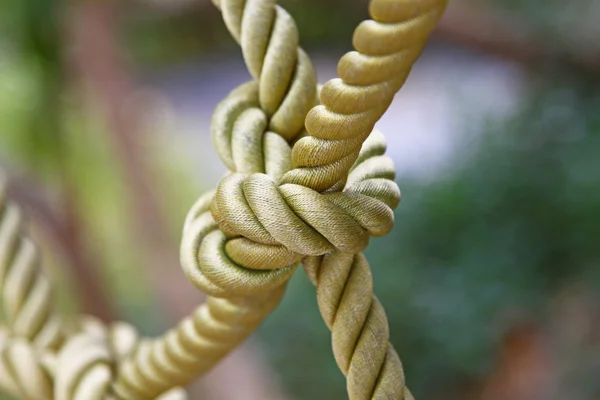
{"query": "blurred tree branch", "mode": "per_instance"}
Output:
(38, 36)
(97, 62)
(64, 230)
(526, 368)
(475, 25)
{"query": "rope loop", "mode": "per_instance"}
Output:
(308, 182)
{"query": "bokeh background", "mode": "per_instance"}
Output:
(491, 277)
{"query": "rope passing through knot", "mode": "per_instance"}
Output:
(248, 236)
(282, 202)
(312, 187)
(308, 182)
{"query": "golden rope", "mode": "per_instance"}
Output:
(251, 128)
(308, 183)
(386, 48)
(26, 293)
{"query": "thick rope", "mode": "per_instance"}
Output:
(23, 372)
(359, 326)
(41, 356)
(252, 129)
(84, 367)
(280, 205)
(26, 294)
(285, 76)
(243, 243)
(386, 48)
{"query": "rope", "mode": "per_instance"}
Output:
(386, 47)
(23, 373)
(252, 129)
(26, 293)
(360, 333)
(43, 357)
(308, 183)
(84, 366)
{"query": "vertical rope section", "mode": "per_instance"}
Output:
(357, 320)
(359, 326)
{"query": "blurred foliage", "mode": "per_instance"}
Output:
(31, 65)
(157, 40)
(561, 25)
(484, 245)
(53, 133)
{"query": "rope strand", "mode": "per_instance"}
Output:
(386, 48)
(26, 293)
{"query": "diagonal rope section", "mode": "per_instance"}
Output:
(26, 293)
(369, 77)
(42, 356)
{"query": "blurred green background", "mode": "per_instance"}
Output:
(490, 278)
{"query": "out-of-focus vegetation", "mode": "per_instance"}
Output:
(53, 134)
(486, 246)
(505, 242)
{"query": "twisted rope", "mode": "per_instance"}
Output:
(386, 48)
(359, 326)
(84, 367)
(41, 356)
(252, 129)
(242, 242)
(282, 203)
(26, 293)
(23, 372)
(285, 76)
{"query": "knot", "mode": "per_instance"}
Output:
(248, 235)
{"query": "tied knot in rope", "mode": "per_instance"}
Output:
(316, 196)
(282, 203)
(308, 182)
(247, 236)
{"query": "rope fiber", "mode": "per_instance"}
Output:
(308, 183)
